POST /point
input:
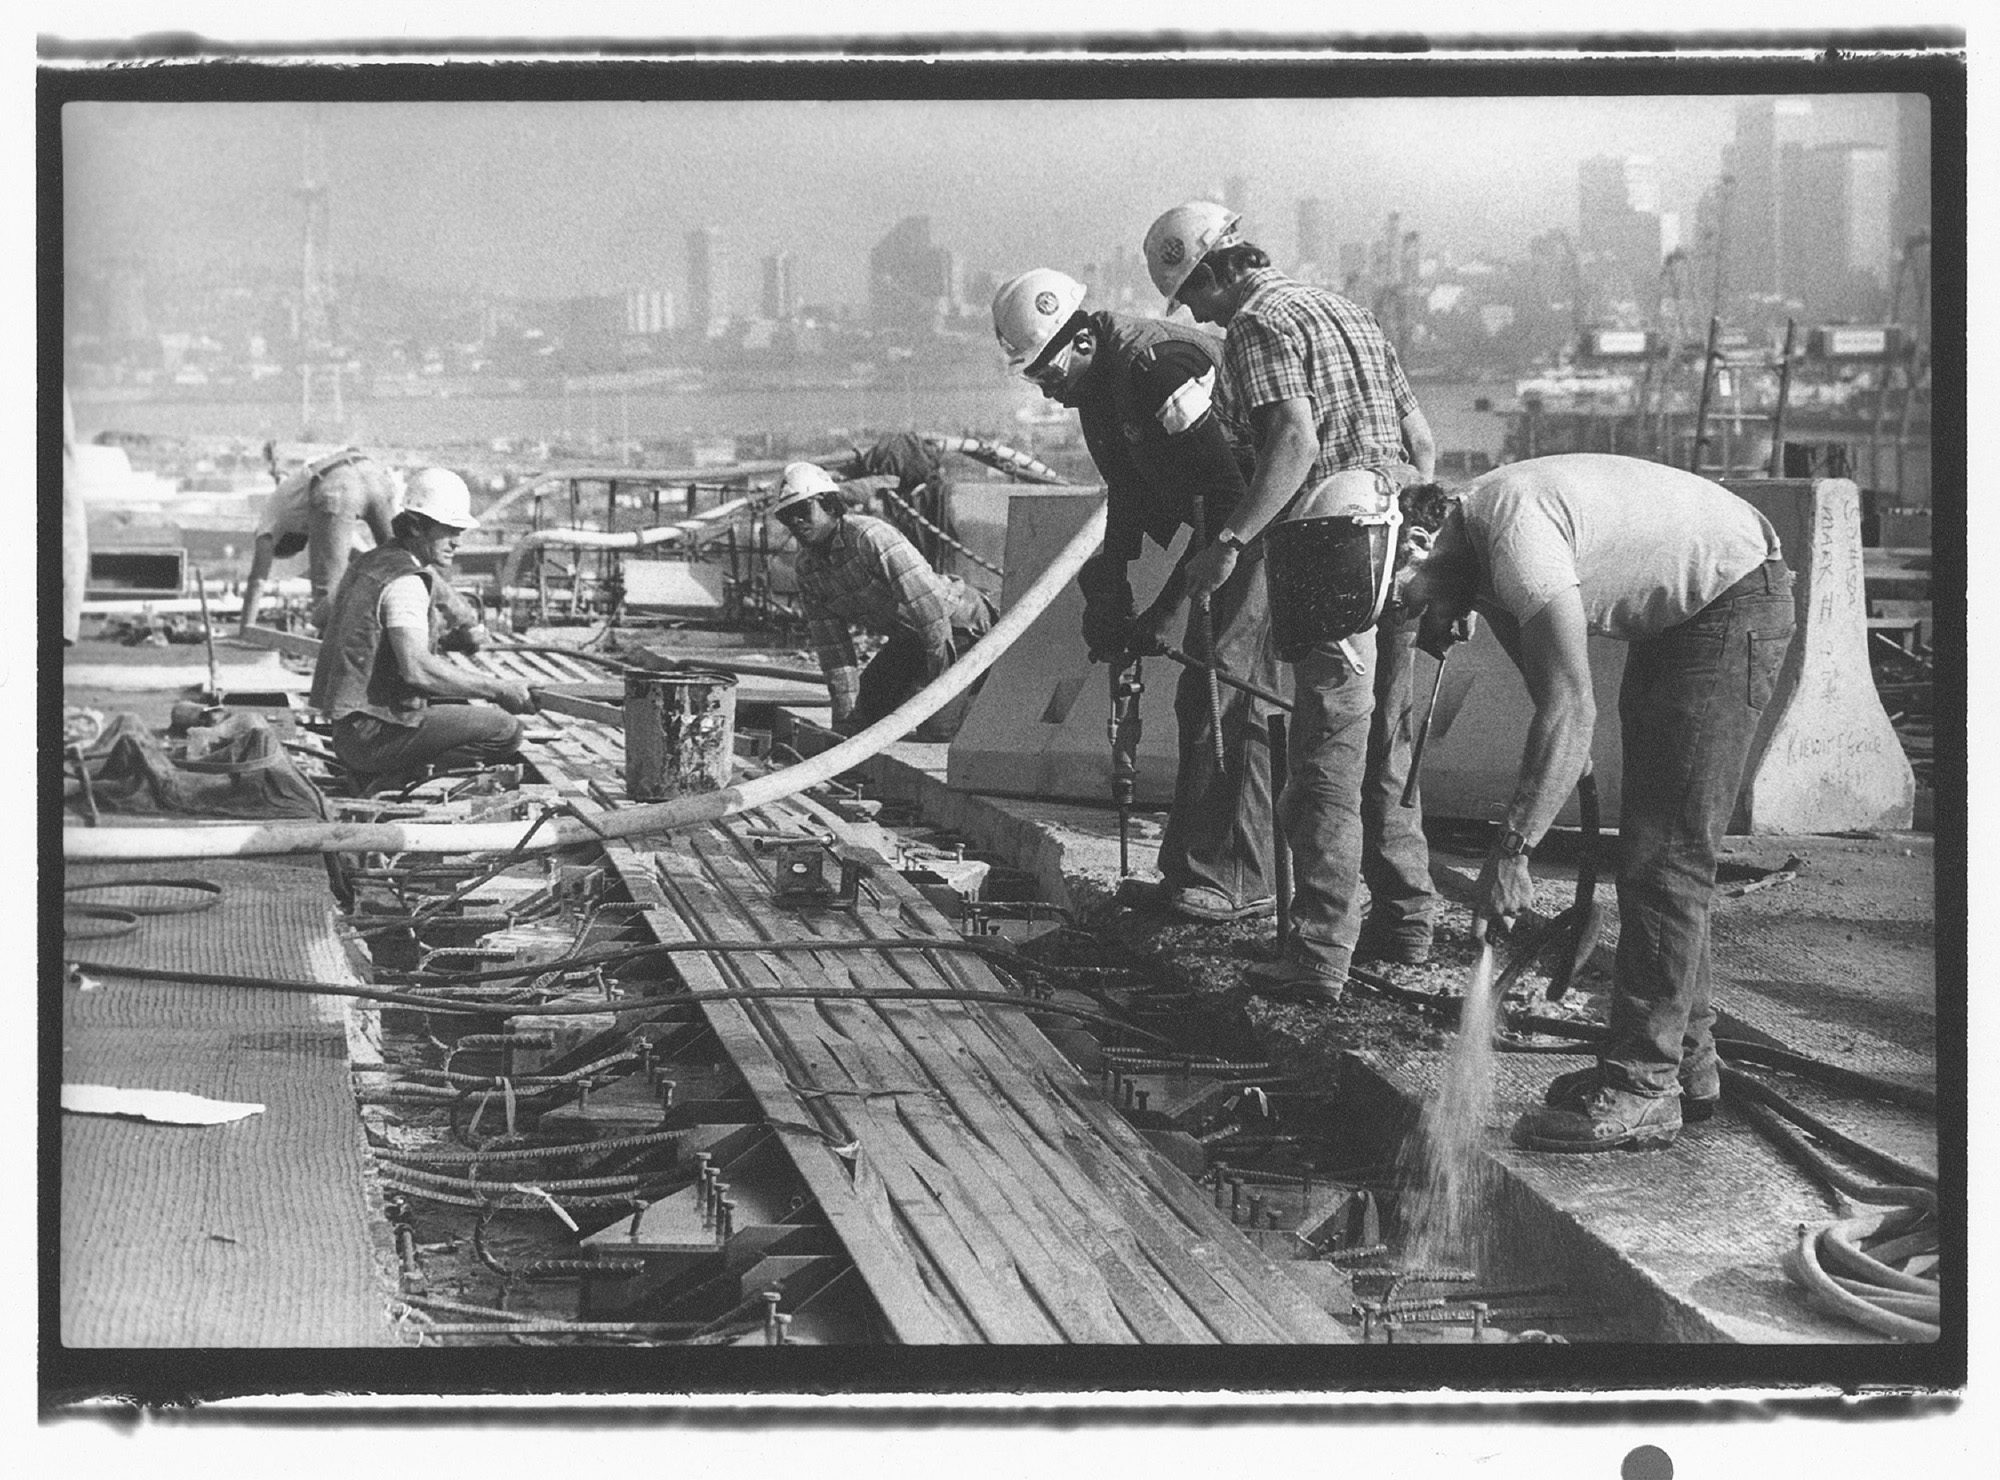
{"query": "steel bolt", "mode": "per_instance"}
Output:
(784, 1330)
(726, 1222)
(1256, 1209)
(771, 1299)
(1221, 1192)
(1478, 1320)
(1142, 1098)
(1235, 1193)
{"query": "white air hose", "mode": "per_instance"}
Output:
(631, 539)
(107, 844)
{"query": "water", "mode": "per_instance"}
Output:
(1443, 1208)
(800, 416)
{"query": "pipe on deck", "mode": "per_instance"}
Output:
(631, 539)
(98, 845)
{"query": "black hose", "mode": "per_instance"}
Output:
(626, 1005)
(1589, 922)
(1833, 1076)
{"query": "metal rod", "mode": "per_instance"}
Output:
(1224, 676)
(1423, 739)
(1281, 853)
(214, 694)
(1707, 389)
(1777, 467)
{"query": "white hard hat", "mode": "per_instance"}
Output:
(1030, 310)
(1176, 243)
(803, 481)
(440, 494)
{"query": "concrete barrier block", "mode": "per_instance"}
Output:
(1827, 759)
(1037, 728)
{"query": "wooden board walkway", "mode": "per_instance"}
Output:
(985, 1190)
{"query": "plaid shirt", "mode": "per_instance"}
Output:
(1289, 341)
(869, 574)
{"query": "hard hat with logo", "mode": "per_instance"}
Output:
(803, 481)
(1030, 310)
(440, 494)
(1176, 243)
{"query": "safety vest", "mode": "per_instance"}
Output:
(356, 672)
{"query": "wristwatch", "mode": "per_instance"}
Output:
(1513, 845)
(1230, 539)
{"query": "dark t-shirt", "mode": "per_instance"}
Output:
(1148, 419)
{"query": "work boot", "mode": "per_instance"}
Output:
(1199, 902)
(1700, 1092)
(1293, 980)
(1610, 1119)
(1404, 947)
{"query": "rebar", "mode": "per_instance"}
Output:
(561, 1152)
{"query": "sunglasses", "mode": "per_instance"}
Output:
(796, 514)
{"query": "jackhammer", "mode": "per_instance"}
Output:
(1122, 729)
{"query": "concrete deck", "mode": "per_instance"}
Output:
(1683, 1244)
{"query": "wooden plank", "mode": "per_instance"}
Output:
(956, 1165)
(979, 1265)
(282, 642)
(553, 701)
(1066, 1199)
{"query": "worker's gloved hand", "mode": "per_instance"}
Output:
(1107, 607)
(1438, 635)
(1144, 640)
(463, 639)
(849, 724)
(1505, 893)
(515, 699)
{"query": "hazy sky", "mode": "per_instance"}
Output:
(570, 197)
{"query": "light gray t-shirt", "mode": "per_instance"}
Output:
(1647, 545)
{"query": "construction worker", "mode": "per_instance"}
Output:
(378, 669)
(323, 508)
(856, 569)
(1142, 389)
(1336, 430)
(1553, 550)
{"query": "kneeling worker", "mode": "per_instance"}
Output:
(1142, 390)
(854, 569)
(378, 669)
(321, 509)
(1553, 550)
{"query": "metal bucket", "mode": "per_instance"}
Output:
(680, 733)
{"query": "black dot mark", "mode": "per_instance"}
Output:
(1647, 1462)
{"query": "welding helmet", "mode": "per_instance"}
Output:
(1329, 576)
(1176, 243)
(1032, 309)
(801, 482)
(440, 495)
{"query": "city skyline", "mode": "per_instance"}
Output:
(575, 199)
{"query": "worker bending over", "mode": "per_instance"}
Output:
(1143, 390)
(1691, 576)
(323, 509)
(1337, 433)
(857, 570)
(378, 669)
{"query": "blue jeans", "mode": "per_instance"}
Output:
(1218, 835)
(902, 668)
(447, 736)
(1342, 807)
(1395, 855)
(1689, 708)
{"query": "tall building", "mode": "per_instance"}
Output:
(1837, 206)
(1618, 227)
(1913, 168)
(649, 312)
(707, 283)
(1236, 196)
(781, 298)
(1312, 245)
(910, 282)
